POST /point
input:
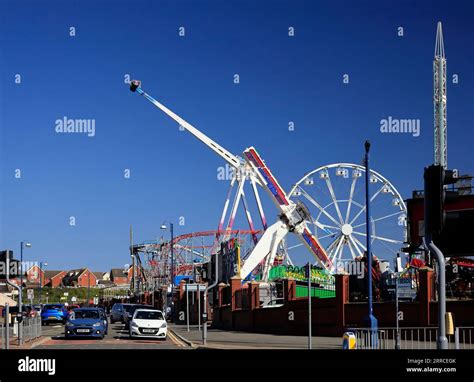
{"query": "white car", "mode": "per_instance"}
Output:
(148, 323)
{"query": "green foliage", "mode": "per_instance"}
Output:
(56, 295)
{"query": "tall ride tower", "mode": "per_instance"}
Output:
(440, 101)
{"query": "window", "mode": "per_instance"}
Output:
(148, 315)
(78, 314)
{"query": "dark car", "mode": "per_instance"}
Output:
(53, 313)
(116, 314)
(27, 311)
(127, 317)
(86, 322)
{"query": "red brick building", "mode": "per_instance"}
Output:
(119, 277)
(53, 279)
(82, 277)
(34, 275)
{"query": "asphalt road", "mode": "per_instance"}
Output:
(117, 338)
(222, 339)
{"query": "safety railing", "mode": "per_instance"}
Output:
(412, 338)
(31, 330)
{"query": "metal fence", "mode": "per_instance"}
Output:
(411, 338)
(3, 335)
(31, 327)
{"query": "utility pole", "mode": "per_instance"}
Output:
(172, 254)
(397, 324)
(371, 320)
(204, 316)
(132, 255)
(310, 321)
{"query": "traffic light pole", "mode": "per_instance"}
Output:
(19, 316)
(442, 340)
(436, 178)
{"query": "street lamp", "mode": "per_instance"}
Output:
(371, 320)
(22, 245)
(164, 227)
(41, 278)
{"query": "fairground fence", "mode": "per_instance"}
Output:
(31, 329)
(411, 338)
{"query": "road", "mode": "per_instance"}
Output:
(222, 339)
(117, 338)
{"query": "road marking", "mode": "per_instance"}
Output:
(176, 340)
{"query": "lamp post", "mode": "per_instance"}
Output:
(371, 320)
(163, 226)
(27, 245)
(41, 278)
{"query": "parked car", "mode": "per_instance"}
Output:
(116, 314)
(148, 323)
(86, 322)
(103, 314)
(53, 313)
(31, 311)
(38, 308)
(127, 317)
(27, 311)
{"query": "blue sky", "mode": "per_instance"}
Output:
(282, 79)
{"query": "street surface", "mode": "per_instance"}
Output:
(117, 338)
(242, 340)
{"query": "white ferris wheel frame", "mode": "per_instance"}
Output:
(355, 245)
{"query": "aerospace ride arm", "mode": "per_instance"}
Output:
(235, 162)
(293, 215)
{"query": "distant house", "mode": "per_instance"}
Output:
(98, 275)
(130, 273)
(34, 275)
(53, 279)
(118, 276)
(82, 277)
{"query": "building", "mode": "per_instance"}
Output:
(53, 279)
(33, 276)
(119, 277)
(82, 277)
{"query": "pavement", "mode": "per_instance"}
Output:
(220, 339)
(117, 338)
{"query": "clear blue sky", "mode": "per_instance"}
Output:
(282, 79)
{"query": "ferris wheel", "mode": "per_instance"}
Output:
(335, 196)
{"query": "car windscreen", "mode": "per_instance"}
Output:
(85, 314)
(135, 307)
(127, 307)
(148, 315)
(53, 307)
